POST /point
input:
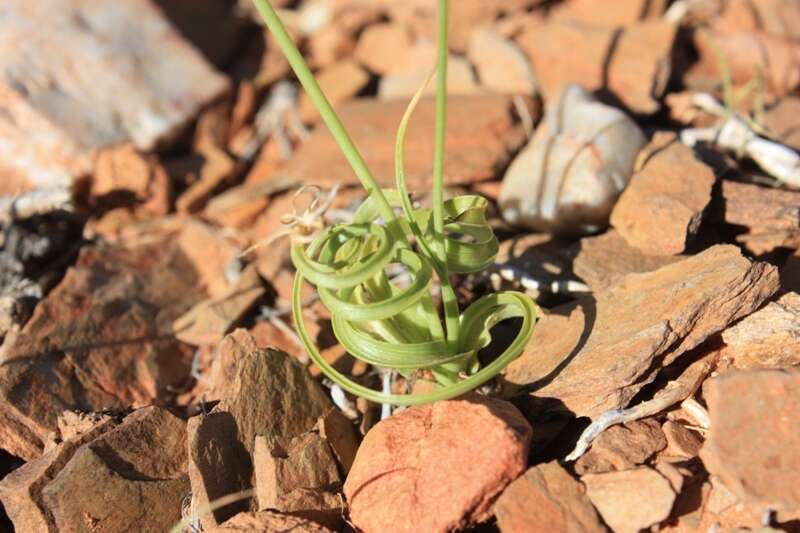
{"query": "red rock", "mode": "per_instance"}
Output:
(340, 82)
(21, 490)
(208, 321)
(135, 473)
(301, 480)
(270, 394)
(596, 354)
(122, 170)
(480, 136)
(329, 45)
(273, 395)
(625, 12)
(790, 273)
(603, 260)
(105, 479)
(115, 93)
(662, 207)
(467, 14)
(404, 84)
(210, 253)
(775, 17)
(233, 348)
(674, 474)
(636, 72)
(501, 65)
(382, 48)
(217, 169)
(748, 54)
(681, 441)
(239, 206)
(769, 338)
(622, 447)
(546, 498)
(99, 340)
(436, 467)
(630, 500)
(780, 121)
(267, 522)
(753, 442)
(771, 216)
(340, 435)
(72, 424)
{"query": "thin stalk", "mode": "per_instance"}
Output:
(324, 107)
(449, 299)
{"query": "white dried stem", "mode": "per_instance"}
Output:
(529, 283)
(341, 401)
(36, 202)
(675, 391)
(737, 135)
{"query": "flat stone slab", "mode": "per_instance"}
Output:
(597, 353)
(79, 75)
(481, 135)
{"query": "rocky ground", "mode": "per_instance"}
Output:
(640, 157)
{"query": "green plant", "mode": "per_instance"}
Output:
(375, 320)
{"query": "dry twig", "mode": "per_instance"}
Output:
(674, 391)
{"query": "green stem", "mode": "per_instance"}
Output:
(449, 299)
(327, 113)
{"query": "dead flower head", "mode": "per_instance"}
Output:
(304, 226)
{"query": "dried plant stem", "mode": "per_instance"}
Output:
(674, 392)
(35, 202)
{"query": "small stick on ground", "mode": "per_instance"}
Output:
(675, 391)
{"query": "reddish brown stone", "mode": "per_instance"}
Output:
(269, 394)
(302, 479)
(748, 54)
(340, 82)
(217, 169)
(436, 467)
(622, 447)
(101, 339)
(340, 434)
(210, 254)
(681, 441)
(604, 260)
(630, 500)
(209, 321)
(267, 522)
(107, 478)
(480, 136)
(546, 498)
(631, 62)
(625, 12)
(382, 48)
(500, 64)
(135, 473)
(662, 207)
(596, 354)
(753, 444)
(117, 92)
(780, 120)
(405, 83)
(769, 338)
(122, 171)
(771, 216)
(21, 490)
